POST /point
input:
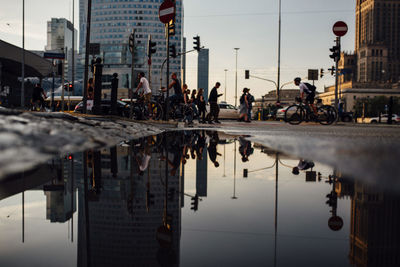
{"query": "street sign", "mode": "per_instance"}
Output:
(340, 28)
(313, 75)
(54, 55)
(167, 11)
(335, 223)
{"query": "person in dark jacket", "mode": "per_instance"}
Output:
(213, 100)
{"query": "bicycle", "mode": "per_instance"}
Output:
(297, 113)
(177, 111)
(140, 110)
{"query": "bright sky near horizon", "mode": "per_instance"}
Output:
(250, 25)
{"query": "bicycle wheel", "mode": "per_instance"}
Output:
(294, 114)
(157, 111)
(327, 115)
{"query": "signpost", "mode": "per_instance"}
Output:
(167, 11)
(339, 29)
(335, 223)
(52, 55)
(166, 14)
(313, 75)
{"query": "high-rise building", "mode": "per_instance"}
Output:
(59, 39)
(378, 40)
(112, 23)
(203, 71)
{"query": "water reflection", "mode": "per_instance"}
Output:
(130, 202)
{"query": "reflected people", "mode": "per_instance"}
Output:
(245, 149)
(212, 148)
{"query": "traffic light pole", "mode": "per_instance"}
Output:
(167, 80)
(337, 76)
(149, 63)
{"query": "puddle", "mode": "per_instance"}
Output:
(194, 198)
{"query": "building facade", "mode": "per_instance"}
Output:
(111, 25)
(378, 40)
(203, 71)
(59, 39)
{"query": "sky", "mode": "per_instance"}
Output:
(223, 25)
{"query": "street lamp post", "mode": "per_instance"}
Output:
(23, 56)
(225, 84)
(237, 49)
(279, 54)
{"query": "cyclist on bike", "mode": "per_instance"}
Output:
(146, 92)
(178, 96)
(310, 94)
(38, 96)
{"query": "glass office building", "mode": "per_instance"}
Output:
(112, 23)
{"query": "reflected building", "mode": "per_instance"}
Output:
(60, 197)
(122, 221)
(374, 232)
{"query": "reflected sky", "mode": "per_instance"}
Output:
(194, 199)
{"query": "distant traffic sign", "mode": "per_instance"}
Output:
(167, 11)
(54, 55)
(340, 28)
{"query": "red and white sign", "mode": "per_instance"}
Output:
(167, 11)
(340, 28)
(335, 223)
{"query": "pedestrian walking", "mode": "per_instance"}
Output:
(213, 100)
(244, 106)
(201, 104)
(90, 89)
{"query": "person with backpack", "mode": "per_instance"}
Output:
(244, 106)
(307, 93)
(250, 100)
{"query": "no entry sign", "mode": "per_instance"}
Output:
(340, 28)
(167, 11)
(335, 223)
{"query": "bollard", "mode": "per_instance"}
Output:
(114, 94)
(390, 113)
(98, 73)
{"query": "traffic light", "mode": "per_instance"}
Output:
(171, 27)
(132, 43)
(247, 74)
(195, 203)
(332, 70)
(332, 199)
(172, 51)
(151, 49)
(321, 73)
(335, 52)
(196, 43)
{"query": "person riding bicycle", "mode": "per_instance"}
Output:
(38, 96)
(178, 93)
(310, 93)
(146, 92)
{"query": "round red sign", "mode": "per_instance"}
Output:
(167, 11)
(335, 223)
(340, 28)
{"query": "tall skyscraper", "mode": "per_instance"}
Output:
(59, 39)
(112, 23)
(203, 71)
(378, 40)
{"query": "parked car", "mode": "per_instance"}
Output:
(226, 111)
(384, 119)
(280, 113)
(123, 109)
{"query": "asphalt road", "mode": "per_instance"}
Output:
(368, 152)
